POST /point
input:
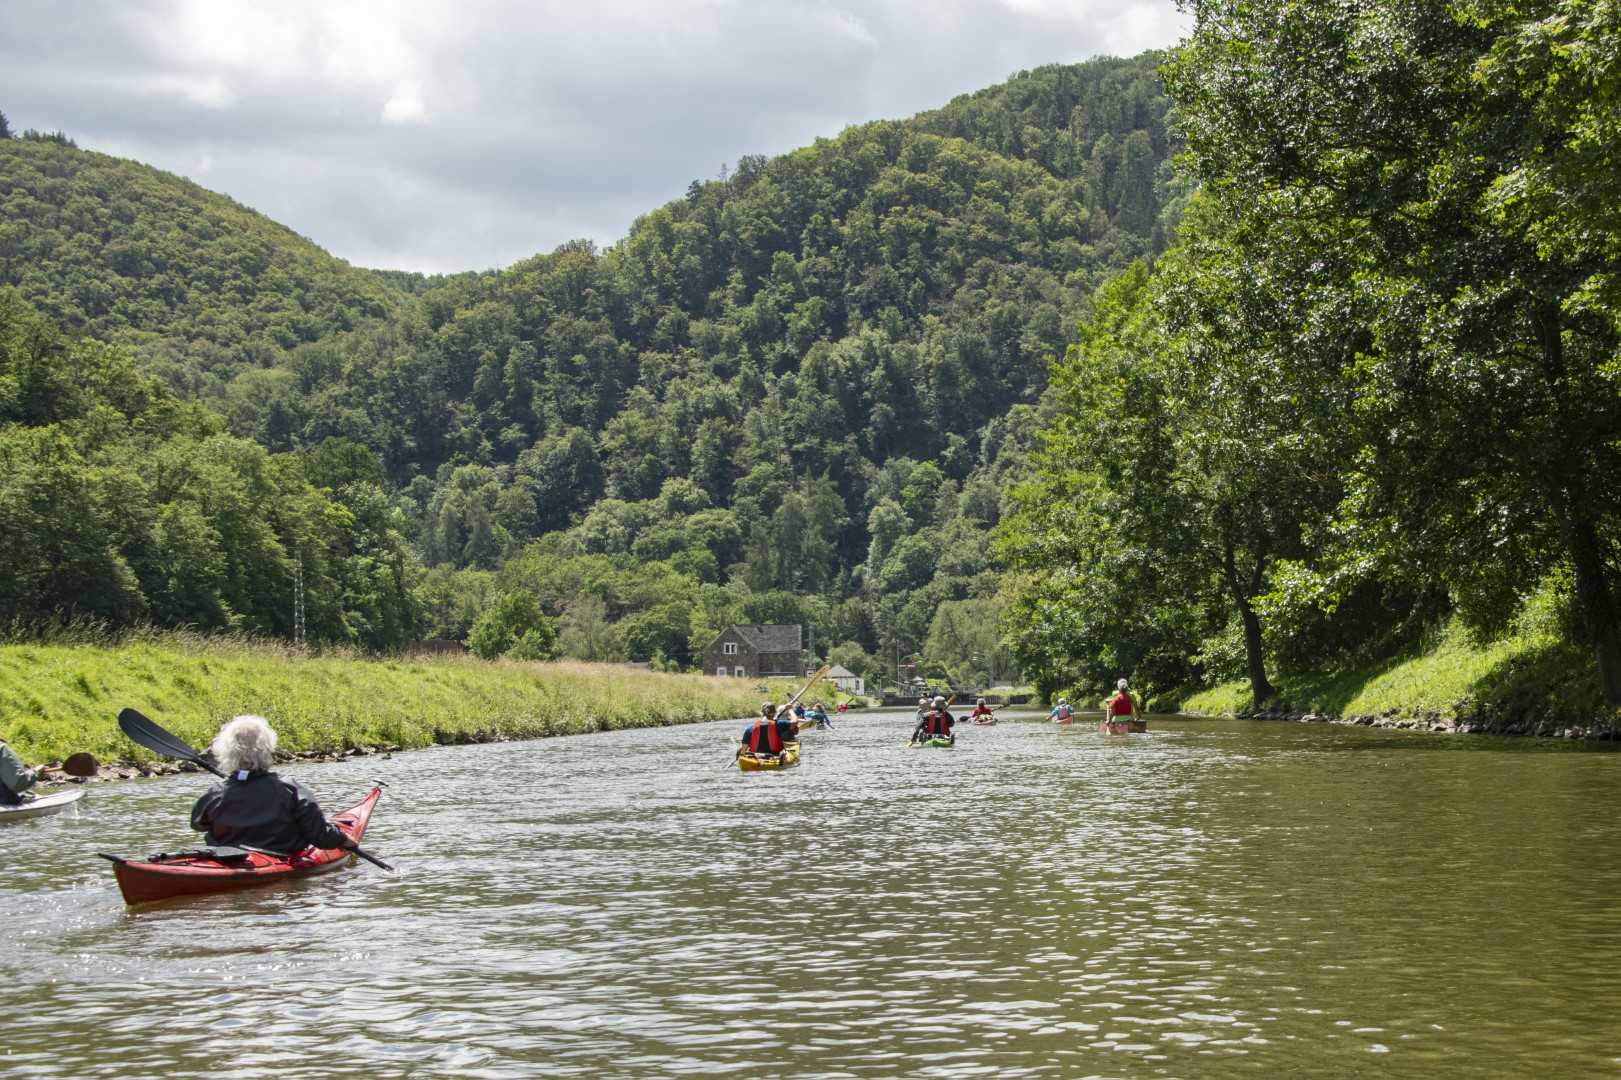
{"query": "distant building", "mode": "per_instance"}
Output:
(848, 682)
(435, 646)
(756, 649)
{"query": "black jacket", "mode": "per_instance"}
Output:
(263, 811)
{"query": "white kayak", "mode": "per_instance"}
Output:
(41, 805)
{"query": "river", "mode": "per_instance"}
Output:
(1208, 899)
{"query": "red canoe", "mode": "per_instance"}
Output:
(196, 873)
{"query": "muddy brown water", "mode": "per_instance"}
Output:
(1209, 899)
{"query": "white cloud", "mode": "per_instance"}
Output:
(429, 136)
(405, 105)
(207, 91)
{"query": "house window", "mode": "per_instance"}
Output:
(729, 648)
(720, 671)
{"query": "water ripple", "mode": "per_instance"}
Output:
(1209, 899)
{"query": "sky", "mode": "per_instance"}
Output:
(468, 134)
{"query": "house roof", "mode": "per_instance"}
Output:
(837, 671)
(770, 637)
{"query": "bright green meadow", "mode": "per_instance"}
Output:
(56, 699)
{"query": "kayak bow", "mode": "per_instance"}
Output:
(41, 805)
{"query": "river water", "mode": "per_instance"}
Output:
(1208, 899)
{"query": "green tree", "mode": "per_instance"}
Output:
(588, 634)
(56, 540)
(1486, 402)
(513, 625)
(964, 638)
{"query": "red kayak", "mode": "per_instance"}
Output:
(211, 870)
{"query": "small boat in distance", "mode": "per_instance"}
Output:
(1121, 727)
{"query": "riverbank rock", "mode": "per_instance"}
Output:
(1465, 724)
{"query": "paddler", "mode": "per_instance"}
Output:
(1122, 705)
(934, 724)
(15, 777)
(769, 733)
(982, 714)
(818, 716)
(1062, 713)
(254, 807)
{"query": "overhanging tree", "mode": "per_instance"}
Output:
(1486, 402)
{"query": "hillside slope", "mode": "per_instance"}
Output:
(799, 393)
(138, 256)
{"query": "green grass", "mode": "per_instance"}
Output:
(1535, 677)
(56, 699)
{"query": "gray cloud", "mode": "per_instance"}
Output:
(419, 135)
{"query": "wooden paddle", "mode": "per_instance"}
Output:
(148, 734)
(816, 678)
(82, 764)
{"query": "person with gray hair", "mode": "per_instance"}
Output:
(1122, 706)
(254, 807)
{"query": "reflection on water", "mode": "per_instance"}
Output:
(1208, 899)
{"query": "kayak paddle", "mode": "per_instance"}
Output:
(147, 733)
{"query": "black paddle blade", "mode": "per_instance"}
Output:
(148, 734)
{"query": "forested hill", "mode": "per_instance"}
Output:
(195, 281)
(801, 391)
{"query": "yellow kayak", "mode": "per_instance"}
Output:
(751, 762)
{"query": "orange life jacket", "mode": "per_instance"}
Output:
(764, 738)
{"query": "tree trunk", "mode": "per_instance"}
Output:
(1254, 647)
(1595, 599)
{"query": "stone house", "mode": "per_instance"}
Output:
(756, 650)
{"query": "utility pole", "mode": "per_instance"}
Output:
(298, 597)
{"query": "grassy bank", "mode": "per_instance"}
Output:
(1535, 678)
(56, 699)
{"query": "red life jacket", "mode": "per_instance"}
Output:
(1063, 712)
(1120, 704)
(763, 737)
(938, 723)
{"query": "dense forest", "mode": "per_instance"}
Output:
(1291, 350)
(1372, 395)
(800, 393)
